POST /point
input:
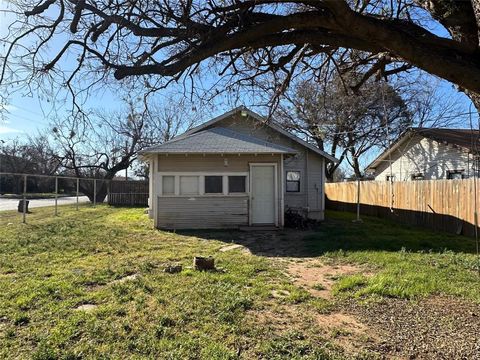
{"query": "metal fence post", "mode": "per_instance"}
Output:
(56, 196)
(94, 192)
(78, 186)
(24, 199)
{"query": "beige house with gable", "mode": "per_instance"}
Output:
(235, 170)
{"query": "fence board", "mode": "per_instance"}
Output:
(445, 205)
(128, 193)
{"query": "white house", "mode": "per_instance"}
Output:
(429, 154)
(235, 170)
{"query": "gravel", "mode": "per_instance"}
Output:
(433, 328)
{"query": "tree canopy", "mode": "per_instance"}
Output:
(161, 41)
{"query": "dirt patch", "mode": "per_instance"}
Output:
(347, 332)
(318, 278)
(340, 329)
(434, 328)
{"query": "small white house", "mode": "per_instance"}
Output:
(235, 170)
(428, 154)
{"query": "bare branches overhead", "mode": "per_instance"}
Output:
(162, 40)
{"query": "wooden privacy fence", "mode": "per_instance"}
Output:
(445, 205)
(128, 193)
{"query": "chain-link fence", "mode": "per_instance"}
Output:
(21, 193)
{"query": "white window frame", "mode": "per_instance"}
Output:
(300, 182)
(201, 183)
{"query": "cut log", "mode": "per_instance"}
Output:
(203, 263)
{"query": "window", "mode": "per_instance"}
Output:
(293, 181)
(168, 185)
(455, 174)
(390, 178)
(189, 185)
(237, 184)
(418, 176)
(213, 184)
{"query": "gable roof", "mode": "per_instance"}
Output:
(262, 120)
(218, 140)
(465, 139)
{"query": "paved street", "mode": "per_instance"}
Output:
(12, 204)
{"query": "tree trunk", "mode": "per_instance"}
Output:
(87, 188)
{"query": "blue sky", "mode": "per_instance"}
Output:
(27, 113)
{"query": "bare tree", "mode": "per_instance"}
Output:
(100, 147)
(344, 122)
(159, 42)
(164, 121)
(108, 142)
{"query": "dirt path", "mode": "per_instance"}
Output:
(431, 328)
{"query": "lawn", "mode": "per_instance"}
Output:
(91, 284)
(407, 262)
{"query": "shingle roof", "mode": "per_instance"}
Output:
(218, 140)
(262, 120)
(466, 139)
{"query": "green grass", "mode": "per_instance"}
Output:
(405, 262)
(52, 265)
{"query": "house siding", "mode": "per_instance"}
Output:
(310, 164)
(203, 211)
(423, 155)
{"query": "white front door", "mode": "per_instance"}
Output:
(263, 184)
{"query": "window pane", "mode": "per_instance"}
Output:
(293, 186)
(293, 181)
(213, 184)
(168, 185)
(293, 175)
(189, 185)
(236, 184)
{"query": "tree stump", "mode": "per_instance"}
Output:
(20, 206)
(203, 263)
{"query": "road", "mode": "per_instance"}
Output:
(12, 204)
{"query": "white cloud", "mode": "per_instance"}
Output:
(7, 130)
(8, 107)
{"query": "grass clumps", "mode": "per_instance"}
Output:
(405, 262)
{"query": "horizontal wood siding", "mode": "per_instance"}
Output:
(426, 156)
(309, 196)
(211, 163)
(445, 205)
(202, 212)
(315, 182)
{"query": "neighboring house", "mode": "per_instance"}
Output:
(429, 154)
(235, 170)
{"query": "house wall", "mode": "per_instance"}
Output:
(423, 155)
(310, 165)
(206, 211)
